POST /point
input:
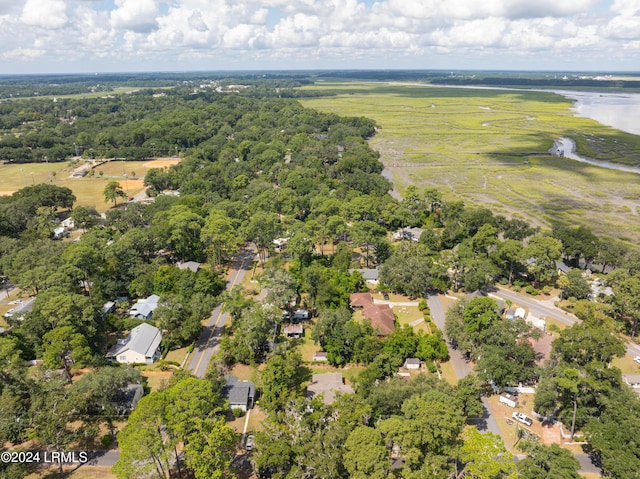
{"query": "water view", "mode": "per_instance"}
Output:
(619, 110)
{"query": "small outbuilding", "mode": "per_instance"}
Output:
(412, 363)
(509, 400)
(320, 356)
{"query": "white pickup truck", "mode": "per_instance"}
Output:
(523, 418)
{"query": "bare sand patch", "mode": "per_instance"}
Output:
(161, 162)
(7, 192)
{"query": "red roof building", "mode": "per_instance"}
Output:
(380, 315)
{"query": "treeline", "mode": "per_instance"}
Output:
(536, 82)
(133, 126)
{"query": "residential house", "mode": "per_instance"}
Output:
(240, 394)
(192, 266)
(126, 398)
(380, 315)
(144, 308)
(108, 308)
(293, 331)
(412, 234)
(301, 315)
(327, 384)
(142, 345)
(371, 275)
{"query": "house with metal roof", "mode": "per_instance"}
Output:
(142, 345)
(144, 308)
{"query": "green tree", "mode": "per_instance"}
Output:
(543, 462)
(485, 457)
(541, 253)
(365, 456)
(63, 347)
(112, 192)
(209, 455)
(282, 376)
(143, 446)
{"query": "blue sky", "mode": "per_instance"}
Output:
(56, 36)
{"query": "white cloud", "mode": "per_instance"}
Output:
(254, 33)
(135, 15)
(44, 13)
(22, 54)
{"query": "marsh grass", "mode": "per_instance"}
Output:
(490, 147)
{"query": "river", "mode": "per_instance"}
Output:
(618, 110)
(566, 147)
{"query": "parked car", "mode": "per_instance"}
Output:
(250, 442)
(385, 295)
(637, 359)
(523, 418)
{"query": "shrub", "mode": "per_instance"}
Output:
(190, 349)
(504, 281)
(531, 290)
(106, 440)
(237, 412)
(422, 305)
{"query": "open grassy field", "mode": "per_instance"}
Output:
(490, 147)
(88, 190)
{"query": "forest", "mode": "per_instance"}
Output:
(258, 167)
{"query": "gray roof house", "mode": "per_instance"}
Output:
(193, 266)
(327, 384)
(142, 345)
(144, 308)
(126, 398)
(239, 393)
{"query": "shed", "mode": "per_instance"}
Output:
(509, 400)
(108, 307)
(320, 356)
(520, 313)
(412, 363)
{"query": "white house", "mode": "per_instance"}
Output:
(142, 345)
(144, 308)
(412, 363)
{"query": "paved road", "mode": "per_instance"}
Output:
(209, 341)
(540, 309)
(461, 367)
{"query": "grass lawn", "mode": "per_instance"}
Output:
(88, 190)
(177, 355)
(448, 374)
(157, 380)
(83, 472)
(490, 148)
(627, 365)
(244, 372)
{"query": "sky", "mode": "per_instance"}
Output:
(74, 36)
